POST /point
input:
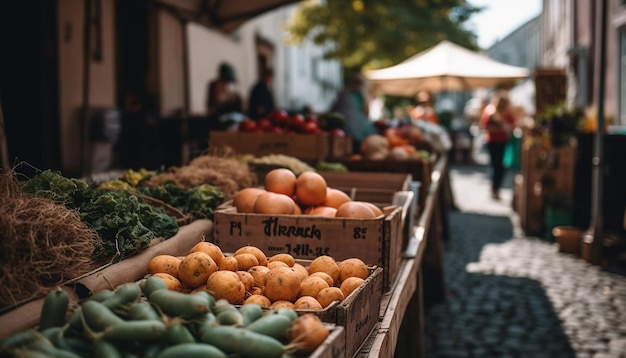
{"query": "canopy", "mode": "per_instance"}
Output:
(444, 67)
(223, 15)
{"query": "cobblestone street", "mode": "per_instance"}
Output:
(514, 296)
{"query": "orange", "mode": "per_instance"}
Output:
(281, 181)
(355, 209)
(245, 198)
(335, 197)
(374, 208)
(321, 211)
(273, 203)
(310, 189)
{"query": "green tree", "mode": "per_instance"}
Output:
(370, 34)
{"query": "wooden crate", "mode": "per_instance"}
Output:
(382, 189)
(340, 146)
(308, 147)
(308, 237)
(334, 345)
(358, 313)
(543, 170)
(420, 170)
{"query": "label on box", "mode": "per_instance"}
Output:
(302, 236)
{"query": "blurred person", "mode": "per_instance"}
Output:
(424, 111)
(498, 121)
(261, 99)
(351, 102)
(376, 107)
(222, 98)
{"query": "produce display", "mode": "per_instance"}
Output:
(249, 276)
(221, 170)
(198, 202)
(284, 193)
(146, 319)
(280, 160)
(396, 144)
(124, 222)
(279, 121)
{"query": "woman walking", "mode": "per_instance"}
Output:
(498, 122)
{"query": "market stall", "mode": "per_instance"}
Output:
(388, 243)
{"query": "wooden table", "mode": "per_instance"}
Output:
(400, 330)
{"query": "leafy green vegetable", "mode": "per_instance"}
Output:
(125, 223)
(200, 201)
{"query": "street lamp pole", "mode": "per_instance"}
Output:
(594, 234)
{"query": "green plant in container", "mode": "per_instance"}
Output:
(560, 123)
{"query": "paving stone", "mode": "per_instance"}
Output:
(517, 296)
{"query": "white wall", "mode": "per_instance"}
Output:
(170, 65)
(293, 83)
(102, 79)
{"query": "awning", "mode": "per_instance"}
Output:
(222, 15)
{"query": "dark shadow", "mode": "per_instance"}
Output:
(489, 315)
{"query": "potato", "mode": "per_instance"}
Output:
(326, 277)
(312, 285)
(228, 263)
(259, 300)
(286, 258)
(247, 279)
(255, 290)
(329, 295)
(352, 267)
(258, 273)
(226, 285)
(301, 270)
(350, 284)
(325, 264)
(307, 303)
(210, 249)
(171, 282)
(275, 264)
(282, 304)
(282, 283)
(164, 263)
(196, 268)
(253, 250)
(245, 261)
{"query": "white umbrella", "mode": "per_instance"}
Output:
(444, 67)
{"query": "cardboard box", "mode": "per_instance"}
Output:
(307, 237)
(307, 147)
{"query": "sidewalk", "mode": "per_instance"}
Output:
(514, 296)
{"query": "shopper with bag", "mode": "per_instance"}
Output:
(498, 121)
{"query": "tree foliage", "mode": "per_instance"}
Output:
(370, 34)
